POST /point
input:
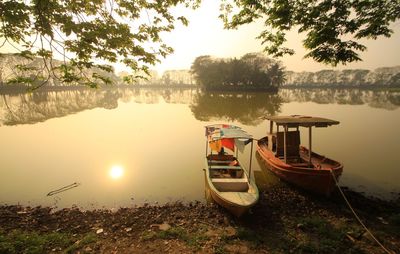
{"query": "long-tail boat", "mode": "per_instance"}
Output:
(230, 184)
(282, 154)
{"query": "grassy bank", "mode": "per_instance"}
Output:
(284, 221)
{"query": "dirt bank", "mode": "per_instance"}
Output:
(284, 221)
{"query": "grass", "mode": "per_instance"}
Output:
(318, 235)
(195, 239)
(251, 236)
(32, 242)
(394, 223)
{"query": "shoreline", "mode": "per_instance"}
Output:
(285, 220)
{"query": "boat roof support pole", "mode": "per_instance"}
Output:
(251, 156)
(271, 127)
(309, 145)
(277, 143)
(206, 147)
(285, 129)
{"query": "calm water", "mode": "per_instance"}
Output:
(126, 147)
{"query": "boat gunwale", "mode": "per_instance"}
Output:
(301, 170)
(217, 192)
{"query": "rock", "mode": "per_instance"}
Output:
(128, 229)
(237, 248)
(383, 221)
(211, 233)
(226, 221)
(99, 231)
(230, 231)
(300, 226)
(164, 227)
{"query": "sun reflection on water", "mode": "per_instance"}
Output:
(116, 172)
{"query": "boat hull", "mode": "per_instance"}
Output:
(225, 199)
(319, 178)
(236, 210)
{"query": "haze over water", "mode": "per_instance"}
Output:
(127, 147)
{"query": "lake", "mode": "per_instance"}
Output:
(124, 146)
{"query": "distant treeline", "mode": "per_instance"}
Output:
(386, 77)
(253, 71)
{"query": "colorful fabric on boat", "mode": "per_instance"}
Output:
(241, 143)
(215, 145)
(228, 143)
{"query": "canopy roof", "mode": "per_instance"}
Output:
(299, 120)
(221, 131)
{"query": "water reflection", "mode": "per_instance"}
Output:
(157, 138)
(116, 172)
(385, 99)
(246, 108)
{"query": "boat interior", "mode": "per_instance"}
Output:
(227, 174)
(295, 156)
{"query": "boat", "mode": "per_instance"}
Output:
(282, 154)
(229, 183)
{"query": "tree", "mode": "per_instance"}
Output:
(253, 71)
(327, 23)
(88, 32)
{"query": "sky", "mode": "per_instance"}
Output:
(205, 36)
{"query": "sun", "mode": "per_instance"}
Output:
(116, 172)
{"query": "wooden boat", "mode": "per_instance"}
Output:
(285, 157)
(229, 182)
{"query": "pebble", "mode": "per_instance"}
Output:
(164, 227)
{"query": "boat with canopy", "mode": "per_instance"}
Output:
(230, 184)
(285, 157)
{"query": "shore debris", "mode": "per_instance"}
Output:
(62, 189)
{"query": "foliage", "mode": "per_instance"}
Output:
(251, 72)
(318, 235)
(194, 239)
(85, 33)
(381, 77)
(328, 24)
(32, 242)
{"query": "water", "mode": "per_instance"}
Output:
(127, 147)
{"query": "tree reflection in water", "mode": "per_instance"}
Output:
(246, 108)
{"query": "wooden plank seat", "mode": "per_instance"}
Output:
(220, 161)
(230, 184)
(225, 167)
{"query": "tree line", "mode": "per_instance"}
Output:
(86, 33)
(382, 77)
(253, 71)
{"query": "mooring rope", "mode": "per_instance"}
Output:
(358, 218)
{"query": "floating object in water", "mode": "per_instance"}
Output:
(65, 188)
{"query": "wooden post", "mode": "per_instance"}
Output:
(271, 127)
(206, 146)
(284, 142)
(277, 142)
(251, 156)
(309, 145)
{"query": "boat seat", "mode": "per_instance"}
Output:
(220, 161)
(230, 184)
(225, 167)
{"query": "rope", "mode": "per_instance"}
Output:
(358, 218)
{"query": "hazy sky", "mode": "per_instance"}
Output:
(205, 36)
